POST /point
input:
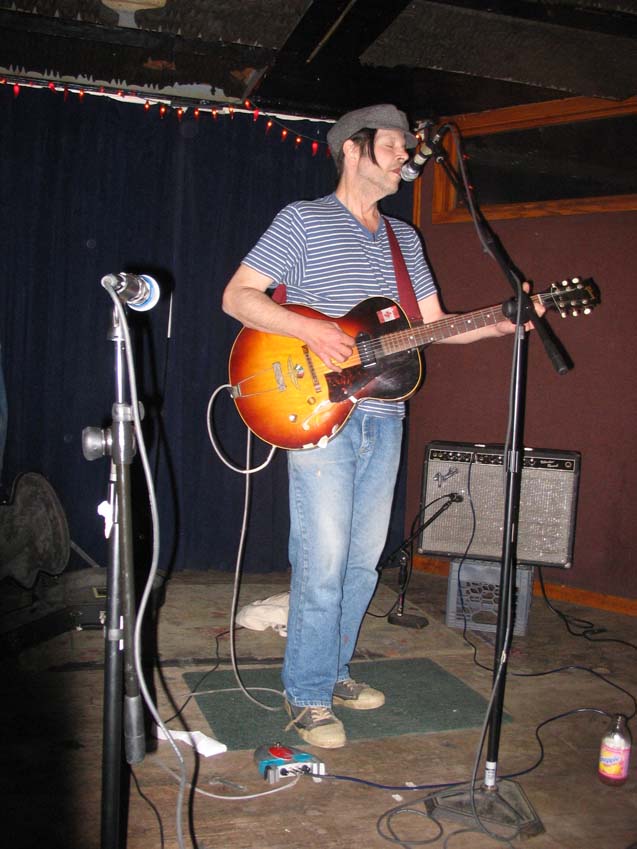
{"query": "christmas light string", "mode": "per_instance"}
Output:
(180, 107)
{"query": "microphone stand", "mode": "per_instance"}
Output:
(404, 552)
(501, 802)
(123, 710)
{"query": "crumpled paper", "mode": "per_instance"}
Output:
(265, 613)
(205, 745)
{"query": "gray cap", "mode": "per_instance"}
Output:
(383, 115)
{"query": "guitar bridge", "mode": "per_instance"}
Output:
(278, 376)
(260, 383)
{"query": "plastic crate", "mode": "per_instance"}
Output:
(478, 600)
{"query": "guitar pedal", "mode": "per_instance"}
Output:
(276, 761)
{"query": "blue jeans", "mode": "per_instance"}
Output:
(340, 505)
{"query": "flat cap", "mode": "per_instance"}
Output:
(382, 116)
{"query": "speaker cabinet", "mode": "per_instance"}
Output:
(548, 503)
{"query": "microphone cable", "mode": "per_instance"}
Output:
(152, 499)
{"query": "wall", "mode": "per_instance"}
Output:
(591, 409)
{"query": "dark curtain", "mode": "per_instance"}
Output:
(95, 186)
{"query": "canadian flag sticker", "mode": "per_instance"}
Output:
(388, 314)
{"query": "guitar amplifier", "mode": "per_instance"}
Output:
(473, 524)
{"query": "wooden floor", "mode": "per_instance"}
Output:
(54, 705)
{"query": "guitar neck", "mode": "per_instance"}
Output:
(437, 331)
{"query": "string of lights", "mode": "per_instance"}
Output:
(163, 107)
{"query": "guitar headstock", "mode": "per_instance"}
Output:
(572, 297)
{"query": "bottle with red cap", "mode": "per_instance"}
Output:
(614, 753)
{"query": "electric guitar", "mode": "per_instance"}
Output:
(289, 398)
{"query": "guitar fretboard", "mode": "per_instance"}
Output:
(427, 334)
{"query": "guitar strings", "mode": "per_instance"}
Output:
(418, 335)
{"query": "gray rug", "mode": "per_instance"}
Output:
(420, 698)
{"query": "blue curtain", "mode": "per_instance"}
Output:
(97, 186)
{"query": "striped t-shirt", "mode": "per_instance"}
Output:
(330, 262)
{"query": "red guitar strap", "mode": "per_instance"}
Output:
(280, 294)
(406, 294)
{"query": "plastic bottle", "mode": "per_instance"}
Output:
(614, 753)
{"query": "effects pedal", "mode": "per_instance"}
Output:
(276, 761)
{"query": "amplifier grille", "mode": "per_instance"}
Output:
(548, 503)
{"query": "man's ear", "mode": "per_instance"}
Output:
(351, 149)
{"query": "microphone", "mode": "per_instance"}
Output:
(455, 496)
(413, 168)
(139, 291)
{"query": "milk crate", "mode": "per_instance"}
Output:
(478, 601)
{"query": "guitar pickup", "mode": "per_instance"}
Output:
(365, 348)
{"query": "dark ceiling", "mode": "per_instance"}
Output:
(321, 58)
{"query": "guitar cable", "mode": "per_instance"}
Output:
(223, 457)
(247, 471)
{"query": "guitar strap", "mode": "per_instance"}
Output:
(406, 294)
(280, 294)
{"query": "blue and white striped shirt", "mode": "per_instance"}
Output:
(330, 262)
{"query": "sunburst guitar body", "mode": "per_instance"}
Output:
(289, 398)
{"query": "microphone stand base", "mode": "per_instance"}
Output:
(407, 620)
(504, 806)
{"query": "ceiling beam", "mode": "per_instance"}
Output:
(452, 38)
(318, 71)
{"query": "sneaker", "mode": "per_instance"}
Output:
(317, 725)
(351, 694)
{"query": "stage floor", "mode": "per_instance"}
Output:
(54, 707)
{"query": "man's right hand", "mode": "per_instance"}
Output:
(328, 341)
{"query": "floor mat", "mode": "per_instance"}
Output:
(420, 698)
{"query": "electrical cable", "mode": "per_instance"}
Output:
(392, 837)
(583, 669)
(472, 784)
(246, 471)
(539, 740)
(408, 788)
(152, 806)
(237, 583)
(194, 691)
(224, 459)
(495, 682)
(279, 789)
(588, 628)
(407, 807)
(402, 587)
